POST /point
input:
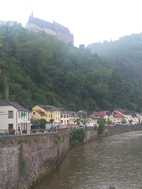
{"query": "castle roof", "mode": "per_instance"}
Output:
(41, 23)
(45, 24)
(60, 28)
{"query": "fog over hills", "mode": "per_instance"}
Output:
(40, 69)
(126, 49)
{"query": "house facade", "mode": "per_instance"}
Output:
(49, 113)
(91, 122)
(68, 118)
(14, 118)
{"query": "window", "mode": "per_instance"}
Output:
(10, 126)
(10, 114)
(23, 114)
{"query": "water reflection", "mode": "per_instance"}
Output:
(113, 161)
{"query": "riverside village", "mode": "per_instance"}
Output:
(49, 146)
(17, 120)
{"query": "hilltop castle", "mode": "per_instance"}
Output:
(54, 29)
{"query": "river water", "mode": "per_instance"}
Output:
(113, 161)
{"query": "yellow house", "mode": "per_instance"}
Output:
(47, 112)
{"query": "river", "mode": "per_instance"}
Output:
(113, 161)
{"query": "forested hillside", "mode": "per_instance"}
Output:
(125, 56)
(39, 69)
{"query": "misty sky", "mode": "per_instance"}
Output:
(88, 20)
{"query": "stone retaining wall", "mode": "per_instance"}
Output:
(25, 159)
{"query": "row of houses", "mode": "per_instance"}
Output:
(15, 119)
(118, 117)
(56, 115)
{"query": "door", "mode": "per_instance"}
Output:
(11, 129)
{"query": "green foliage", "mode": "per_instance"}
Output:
(101, 126)
(77, 136)
(39, 69)
(108, 122)
(81, 121)
(43, 122)
(124, 56)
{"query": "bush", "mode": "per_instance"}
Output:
(77, 136)
(101, 126)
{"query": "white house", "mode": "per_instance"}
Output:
(139, 116)
(68, 118)
(14, 118)
(91, 122)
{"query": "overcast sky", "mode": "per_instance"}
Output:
(89, 20)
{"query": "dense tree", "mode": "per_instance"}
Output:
(39, 69)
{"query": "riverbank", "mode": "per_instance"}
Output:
(26, 159)
(112, 161)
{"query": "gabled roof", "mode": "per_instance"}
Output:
(100, 114)
(118, 114)
(14, 104)
(50, 108)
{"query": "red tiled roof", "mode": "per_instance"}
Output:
(118, 114)
(99, 114)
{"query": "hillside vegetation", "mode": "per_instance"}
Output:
(39, 69)
(125, 56)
